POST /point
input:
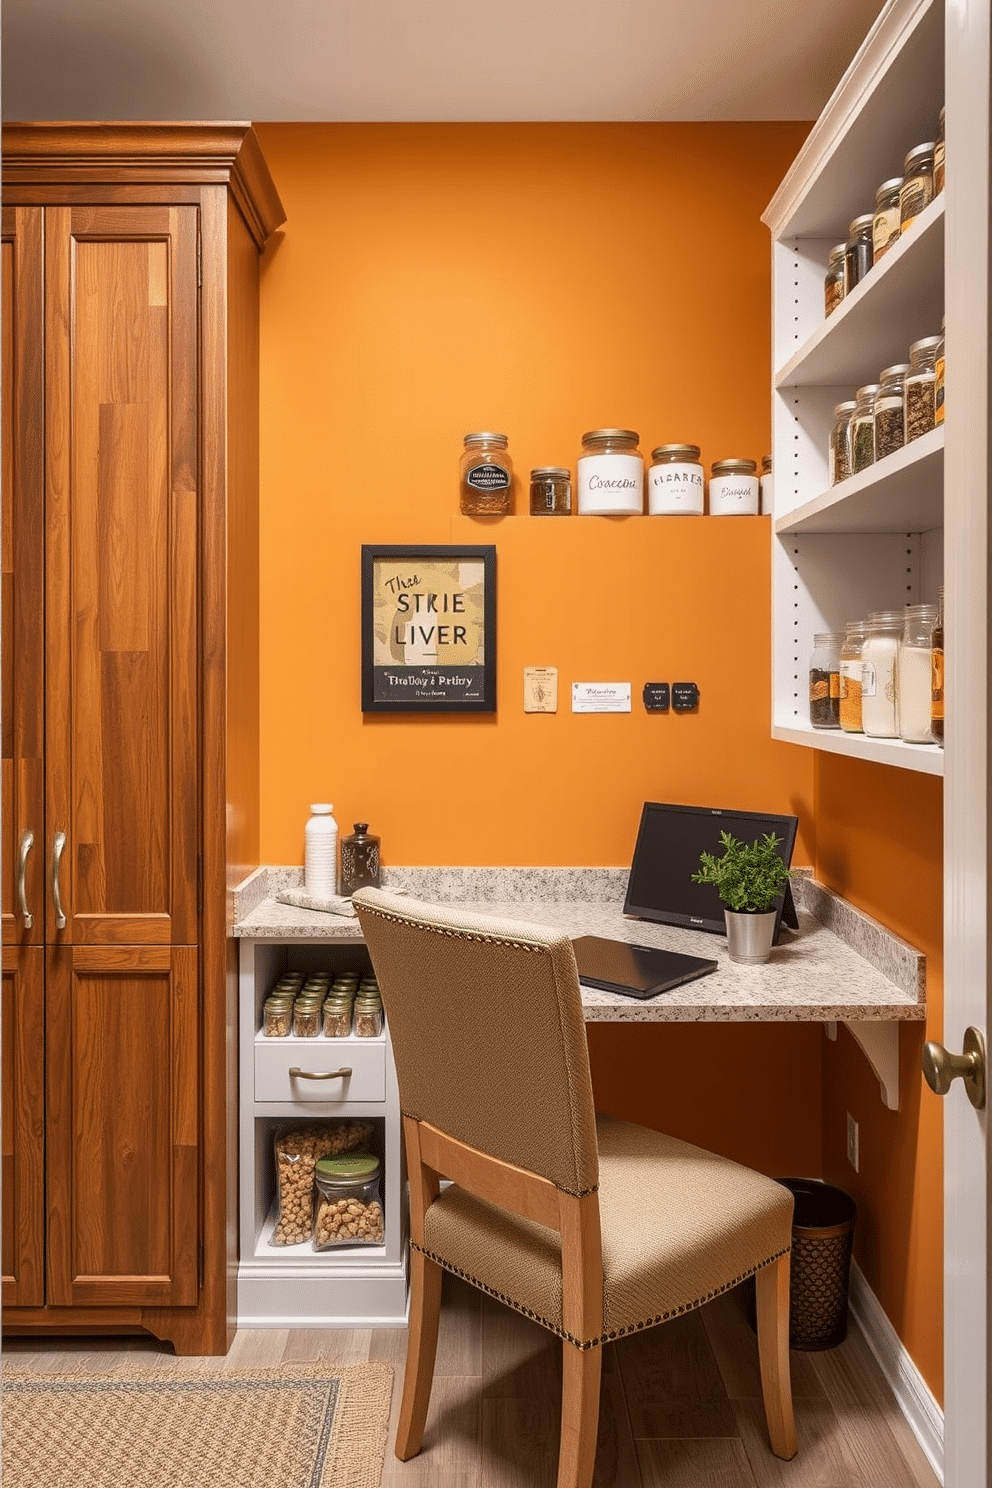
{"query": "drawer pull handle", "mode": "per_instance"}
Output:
(321, 1074)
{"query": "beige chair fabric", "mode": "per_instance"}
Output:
(592, 1226)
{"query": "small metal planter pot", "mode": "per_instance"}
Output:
(749, 936)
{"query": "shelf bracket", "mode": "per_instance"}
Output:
(879, 1043)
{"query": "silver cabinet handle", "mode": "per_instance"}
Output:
(58, 848)
(27, 843)
(321, 1074)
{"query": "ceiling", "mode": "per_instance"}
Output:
(430, 60)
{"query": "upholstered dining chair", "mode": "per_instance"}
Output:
(593, 1227)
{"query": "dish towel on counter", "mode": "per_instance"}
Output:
(338, 904)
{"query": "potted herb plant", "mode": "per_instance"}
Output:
(748, 878)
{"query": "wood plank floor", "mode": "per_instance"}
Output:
(681, 1404)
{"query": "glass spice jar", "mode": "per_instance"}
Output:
(733, 488)
(879, 656)
(307, 1017)
(675, 481)
(824, 681)
(833, 284)
(485, 476)
(850, 676)
(337, 1016)
(368, 1015)
(277, 1017)
(360, 860)
(916, 191)
(766, 489)
(886, 222)
(863, 427)
(348, 1207)
(858, 251)
(890, 410)
(939, 367)
(841, 457)
(914, 679)
(937, 673)
(921, 387)
(551, 491)
(938, 156)
(610, 474)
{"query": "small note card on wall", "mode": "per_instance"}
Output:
(540, 689)
(600, 697)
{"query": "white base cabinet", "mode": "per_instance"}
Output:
(293, 1286)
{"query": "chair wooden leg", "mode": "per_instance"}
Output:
(421, 1349)
(581, 1372)
(772, 1289)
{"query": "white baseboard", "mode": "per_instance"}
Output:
(904, 1379)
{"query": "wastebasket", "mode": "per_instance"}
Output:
(822, 1238)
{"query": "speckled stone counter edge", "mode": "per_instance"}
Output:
(899, 962)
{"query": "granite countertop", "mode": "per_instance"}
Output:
(839, 965)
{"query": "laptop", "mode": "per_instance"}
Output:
(633, 970)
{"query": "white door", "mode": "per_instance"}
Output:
(967, 1459)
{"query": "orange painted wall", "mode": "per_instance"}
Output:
(547, 279)
(879, 843)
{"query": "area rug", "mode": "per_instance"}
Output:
(300, 1426)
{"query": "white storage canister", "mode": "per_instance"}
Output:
(320, 871)
(879, 659)
(675, 481)
(610, 474)
(734, 490)
(915, 679)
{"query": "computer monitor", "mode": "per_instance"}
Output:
(666, 855)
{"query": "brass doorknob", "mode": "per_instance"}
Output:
(940, 1067)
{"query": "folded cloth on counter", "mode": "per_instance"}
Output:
(338, 904)
(333, 904)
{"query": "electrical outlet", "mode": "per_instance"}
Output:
(852, 1142)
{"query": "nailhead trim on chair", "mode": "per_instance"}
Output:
(663, 1317)
(397, 919)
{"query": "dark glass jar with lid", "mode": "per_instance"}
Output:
(360, 864)
(858, 252)
(550, 491)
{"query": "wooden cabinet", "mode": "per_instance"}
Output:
(130, 359)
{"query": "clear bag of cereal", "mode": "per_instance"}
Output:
(297, 1152)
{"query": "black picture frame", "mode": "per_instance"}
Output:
(423, 610)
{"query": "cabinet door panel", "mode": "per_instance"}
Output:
(122, 1126)
(22, 539)
(121, 570)
(23, 1118)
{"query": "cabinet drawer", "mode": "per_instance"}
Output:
(366, 1058)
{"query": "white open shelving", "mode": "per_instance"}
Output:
(874, 541)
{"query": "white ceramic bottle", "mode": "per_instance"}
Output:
(320, 872)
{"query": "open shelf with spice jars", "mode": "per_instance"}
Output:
(874, 540)
(303, 1098)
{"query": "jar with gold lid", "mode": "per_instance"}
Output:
(486, 476)
(834, 281)
(675, 481)
(916, 191)
(610, 476)
(886, 222)
(734, 488)
(551, 491)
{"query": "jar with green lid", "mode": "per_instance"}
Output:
(833, 283)
(610, 474)
(850, 676)
(938, 156)
(858, 251)
(886, 222)
(916, 191)
(360, 864)
(486, 476)
(921, 387)
(863, 428)
(824, 681)
(841, 457)
(675, 481)
(348, 1208)
(890, 410)
(551, 491)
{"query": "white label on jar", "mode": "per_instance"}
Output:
(884, 228)
(869, 680)
(734, 495)
(610, 485)
(675, 488)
